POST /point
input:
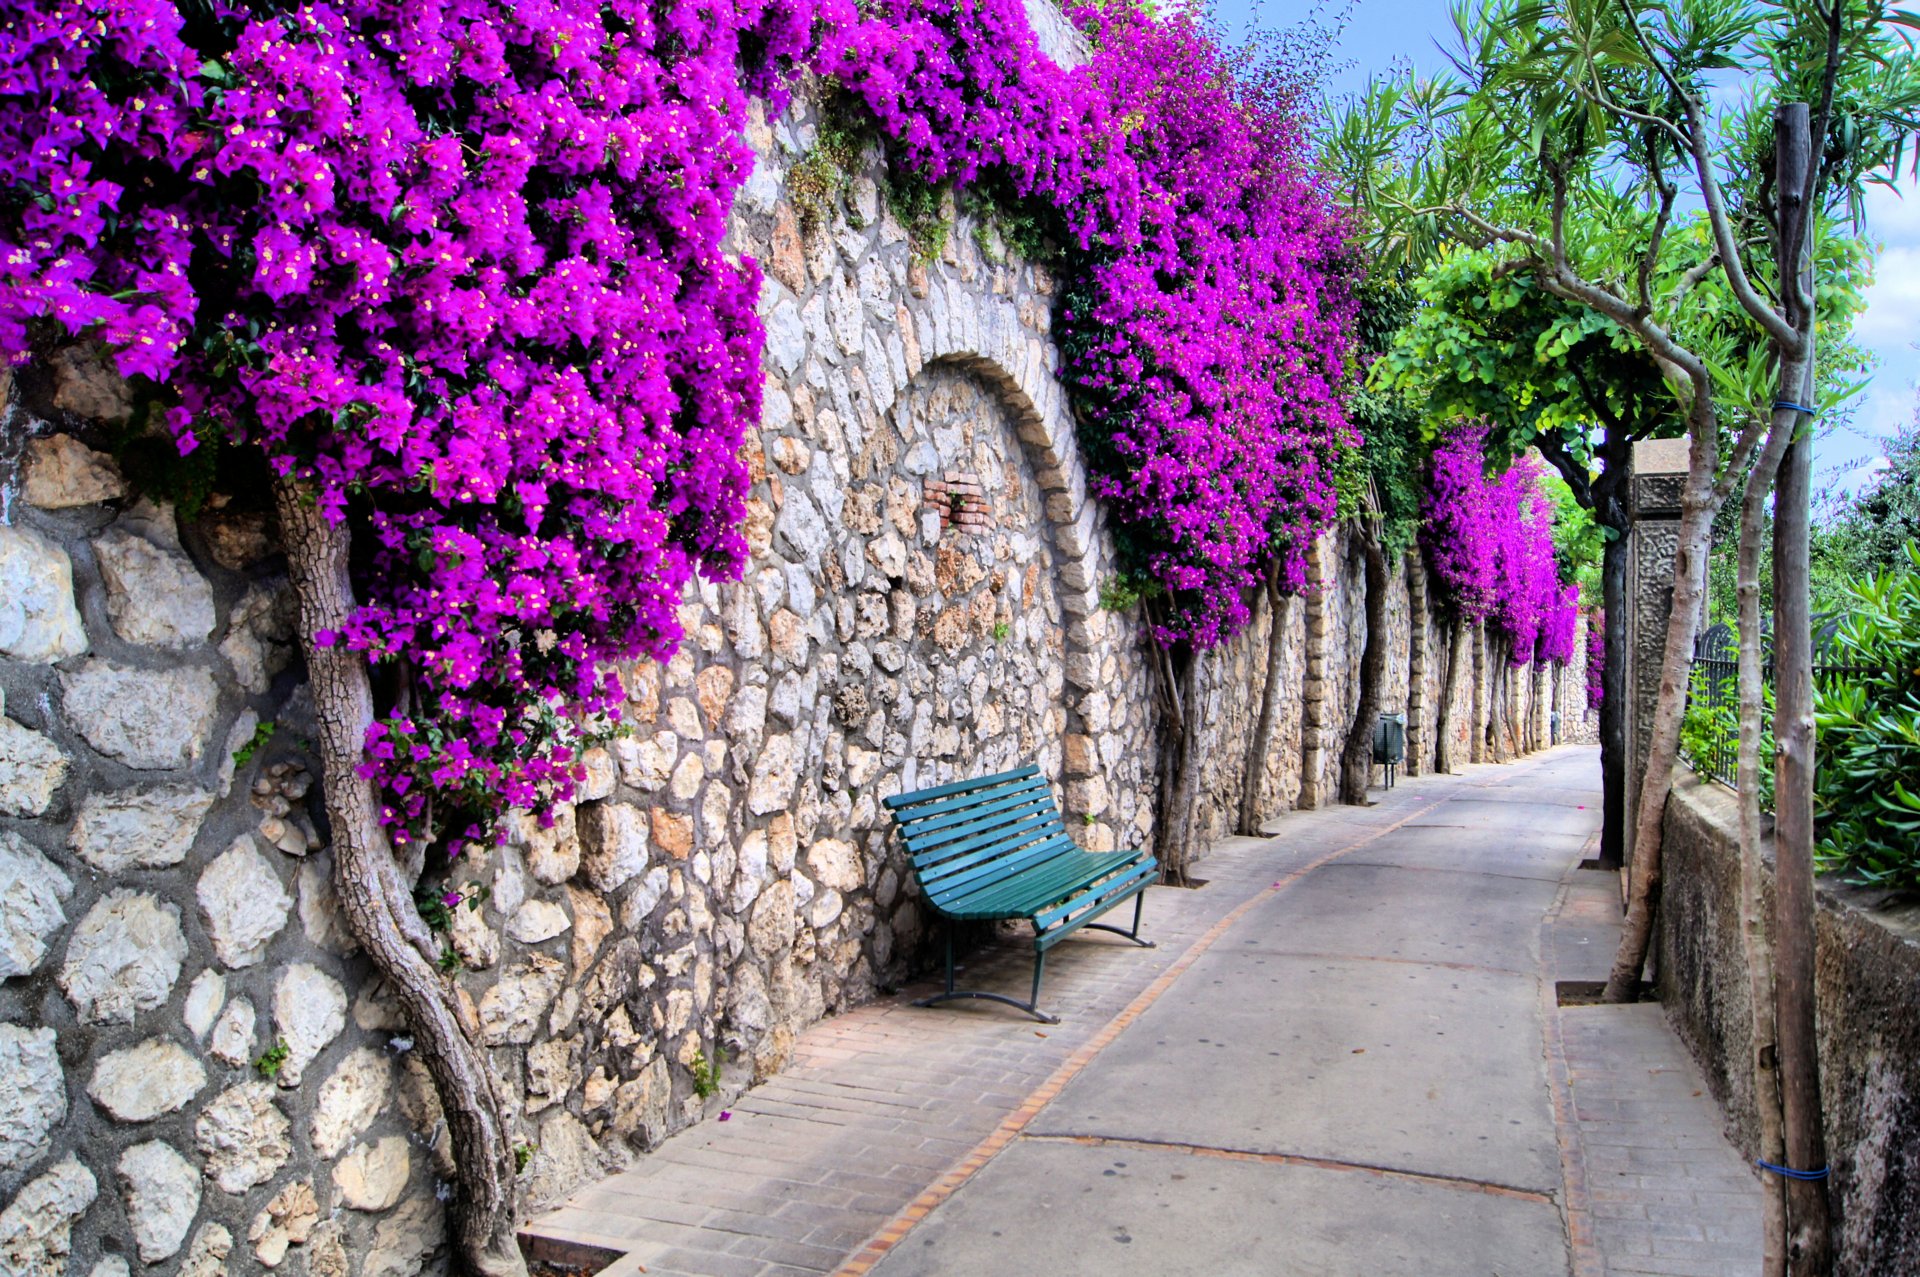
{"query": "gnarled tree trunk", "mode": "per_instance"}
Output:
(1809, 1237)
(1613, 703)
(1754, 933)
(1183, 690)
(1356, 760)
(1418, 672)
(1253, 777)
(378, 906)
(1446, 748)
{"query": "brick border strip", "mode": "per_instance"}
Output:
(863, 1260)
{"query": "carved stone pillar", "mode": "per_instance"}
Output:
(1315, 712)
(1659, 476)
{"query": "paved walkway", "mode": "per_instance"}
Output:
(1344, 1057)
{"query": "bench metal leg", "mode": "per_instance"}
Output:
(1032, 1008)
(1133, 935)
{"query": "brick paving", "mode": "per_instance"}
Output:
(889, 1106)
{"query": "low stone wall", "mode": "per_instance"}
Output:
(1868, 990)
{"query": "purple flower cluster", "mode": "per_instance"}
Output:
(1489, 540)
(457, 264)
(1207, 323)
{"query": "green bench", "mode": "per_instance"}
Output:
(993, 848)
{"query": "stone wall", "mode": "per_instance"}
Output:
(1867, 967)
(205, 1075)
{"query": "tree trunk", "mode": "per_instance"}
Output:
(1356, 761)
(1478, 733)
(1254, 775)
(1809, 1242)
(1417, 662)
(378, 906)
(1187, 690)
(1446, 748)
(1613, 703)
(1753, 921)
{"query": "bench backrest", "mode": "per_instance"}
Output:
(964, 835)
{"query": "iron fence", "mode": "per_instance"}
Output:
(1711, 738)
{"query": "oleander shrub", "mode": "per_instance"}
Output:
(1867, 716)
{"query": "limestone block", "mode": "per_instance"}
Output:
(243, 1136)
(260, 632)
(836, 865)
(139, 828)
(536, 921)
(321, 919)
(288, 1220)
(775, 773)
(87, 383)
(799, 532)
(552, 854)
(309, 1011)
(32, 769)
(641, 1106)
(162, 1194)
(232, 1040)
(147, 719)
(124, 957)
(207, 1257)
(142, 1082)
(373, 1176)
(357, 1091)
(33, 1094)
(639, 905)
(155, 596)
(243, 903)
(39, 622)
(31, 890)
(473, 938)
(613, 843)
(406, 1238)
(510, 1011)
(205, 996)
(63, 473)
(36, 1228)
(672, 833)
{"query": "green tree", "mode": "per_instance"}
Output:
(1565, 144)
(1491, 342)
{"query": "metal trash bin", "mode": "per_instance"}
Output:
(1390, 743)
(1553, 728)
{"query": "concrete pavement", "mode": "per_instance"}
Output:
(1344, 1058)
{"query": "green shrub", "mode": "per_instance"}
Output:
(1867, 761)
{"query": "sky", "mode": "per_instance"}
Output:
(1383, 32)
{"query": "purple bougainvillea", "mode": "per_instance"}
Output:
(457, 265)
(1489, 541)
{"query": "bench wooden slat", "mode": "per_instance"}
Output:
(957, 787)
(1107, 887)
(932, 840)
(912, 818)
(993, 863)
(982, 874)
(1027, 894)
(981, 811)
(1004, 834)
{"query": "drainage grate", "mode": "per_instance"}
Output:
(1586, 993)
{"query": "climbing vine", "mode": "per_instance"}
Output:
(1489, 539)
